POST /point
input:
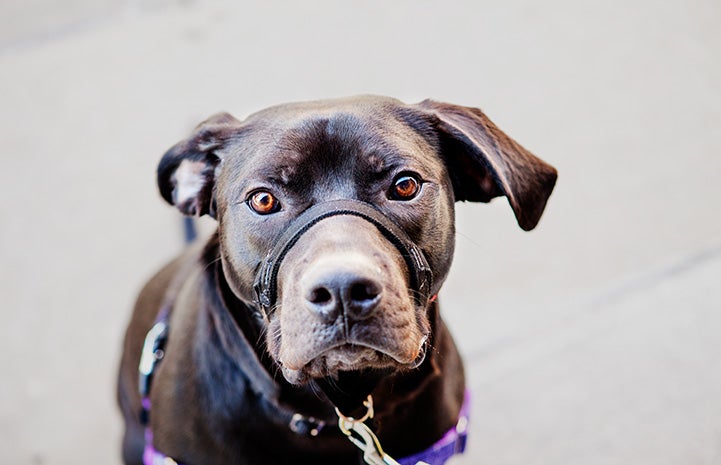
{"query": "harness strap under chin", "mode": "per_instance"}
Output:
(266, 282)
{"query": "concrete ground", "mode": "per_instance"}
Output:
(595, 339)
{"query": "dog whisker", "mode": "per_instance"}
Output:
(211, 263)
(316, 389)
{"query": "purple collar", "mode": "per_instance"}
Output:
(452, 443)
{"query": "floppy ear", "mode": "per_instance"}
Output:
(186, 173)
(485, 163)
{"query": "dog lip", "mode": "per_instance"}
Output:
(360, 346)
(356, 357)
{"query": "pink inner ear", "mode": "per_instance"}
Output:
(488, 184)
(189, 180)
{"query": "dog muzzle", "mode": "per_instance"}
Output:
(266, 281)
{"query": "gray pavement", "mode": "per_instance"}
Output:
(592, 340)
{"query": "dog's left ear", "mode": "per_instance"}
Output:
(485, 163)
(186, 173)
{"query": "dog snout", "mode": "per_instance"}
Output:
(343, 302)
(354, 294)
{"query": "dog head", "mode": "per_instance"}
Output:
(345, 297)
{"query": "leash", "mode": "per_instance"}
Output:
(363, 437)
(358, 433)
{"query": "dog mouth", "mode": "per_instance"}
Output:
(349, 357)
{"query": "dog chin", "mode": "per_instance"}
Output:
(346, 358)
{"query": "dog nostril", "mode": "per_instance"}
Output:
(364, 291)
(320, 295)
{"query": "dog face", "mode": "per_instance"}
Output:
(344, 298)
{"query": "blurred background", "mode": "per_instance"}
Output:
(594, 339)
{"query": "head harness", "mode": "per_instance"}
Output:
(266, 281)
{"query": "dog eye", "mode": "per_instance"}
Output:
(263, 202)
(405, 187)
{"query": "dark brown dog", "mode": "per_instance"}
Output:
(348, 313)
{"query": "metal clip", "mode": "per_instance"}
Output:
(361, 435)
(151, 354)
(301, 424)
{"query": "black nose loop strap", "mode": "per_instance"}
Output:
(266, 281)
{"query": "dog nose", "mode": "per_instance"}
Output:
(352, 294)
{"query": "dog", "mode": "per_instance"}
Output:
(335, 232)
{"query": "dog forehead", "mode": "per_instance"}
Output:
(335, 138)
(364, 120)
(303, 139)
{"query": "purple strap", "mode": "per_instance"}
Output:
(452, 443)
(152, 456)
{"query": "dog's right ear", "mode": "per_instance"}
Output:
(485, 163)
(186, 173)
